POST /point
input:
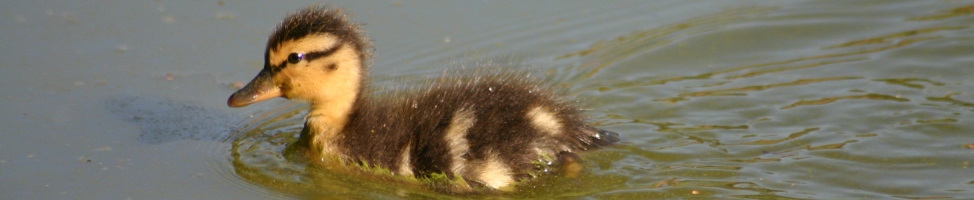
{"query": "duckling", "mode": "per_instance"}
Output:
(487, 129)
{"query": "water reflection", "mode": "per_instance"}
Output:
(915, 83)
(742, 91)
(742, 116)
(161, 120)
(963, 11)
(834, 99)
(609, 52)
(950, 99)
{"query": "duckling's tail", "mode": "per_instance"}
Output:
(599, 137)
(595, 138)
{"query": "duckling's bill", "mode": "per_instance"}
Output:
(259, 89)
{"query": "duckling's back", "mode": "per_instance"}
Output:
(491, 130)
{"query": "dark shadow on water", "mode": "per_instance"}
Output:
(162, 120)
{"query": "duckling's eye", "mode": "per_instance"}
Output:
(294, 58)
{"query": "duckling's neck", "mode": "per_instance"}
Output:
(326, 122)
(329, 114)
(323, 125)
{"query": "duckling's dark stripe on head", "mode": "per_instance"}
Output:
(316, 54)
(317, 19)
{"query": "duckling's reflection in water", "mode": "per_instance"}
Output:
(162, 120)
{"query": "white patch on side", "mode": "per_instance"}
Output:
(456, 138)
(405, 168)
(495, 173)
(545, 121)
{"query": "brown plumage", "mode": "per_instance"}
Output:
(491, 127)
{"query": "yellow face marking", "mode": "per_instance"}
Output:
(544, 120)
(331, 91)
(312, 79)
(456, 138)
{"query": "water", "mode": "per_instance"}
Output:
(728, 99)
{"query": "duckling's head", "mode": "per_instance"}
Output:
(314, 55)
